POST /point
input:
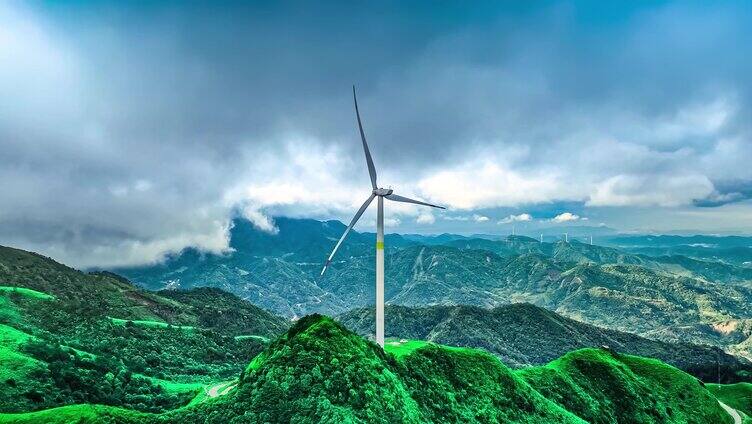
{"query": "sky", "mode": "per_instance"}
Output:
(129, 130)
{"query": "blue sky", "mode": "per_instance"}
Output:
(131, 130)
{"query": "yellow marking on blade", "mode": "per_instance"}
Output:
(380, 245)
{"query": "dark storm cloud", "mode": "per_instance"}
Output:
(727, 192)
(129, 130)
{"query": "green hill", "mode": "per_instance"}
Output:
(601, 387)
(523, 335)
(319, 372)
(737, 396)
(70, 337)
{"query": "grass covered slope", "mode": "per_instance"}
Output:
(79, 414)
(317, 372)
(522, 334)
(737, 396)
(70, 337)
(604, 388)
(461, 385)
(320, 372)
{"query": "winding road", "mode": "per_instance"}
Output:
(731, 411)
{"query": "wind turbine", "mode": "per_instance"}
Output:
(381, 194)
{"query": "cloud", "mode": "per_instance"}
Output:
(484, 183)
(392, 222)
(260, 221)
(457, 218)
(565, 217)
(130, 132)
(523, 217)
(480, 218)
(425, 218)
(662, 190)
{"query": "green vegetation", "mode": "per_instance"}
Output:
(71, 378)
(737, 396)
(252, 336)
(699, 299)
(60, 346)
(148, 323)
(25, 292)
(80, 414)
(468, 385)
(319, 372)
(104, 351)
(213, 391)
(400, 348)
(602, 387)
(523, 335)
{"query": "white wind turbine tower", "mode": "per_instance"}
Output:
(381, 193)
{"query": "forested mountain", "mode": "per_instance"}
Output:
(70, 337)
(734, 250)
(523, 334)
(673, 298)
(319, 372)
(112, 352)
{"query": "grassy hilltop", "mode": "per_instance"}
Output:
(320, 372)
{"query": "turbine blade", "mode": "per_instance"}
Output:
(347, 231)
(369, 160)
(398, 198)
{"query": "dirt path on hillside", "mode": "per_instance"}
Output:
(731, 411)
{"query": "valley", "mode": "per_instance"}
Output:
(665, 297)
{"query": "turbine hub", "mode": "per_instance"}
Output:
(382, 191)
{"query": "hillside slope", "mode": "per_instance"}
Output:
(671, 298)
(524, 334)
(319, 372)
(602, 387)
(70, 337)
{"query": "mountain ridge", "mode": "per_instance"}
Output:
(689, 299)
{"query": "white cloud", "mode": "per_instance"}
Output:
(565, 217)
(489, 183)
(457, 218)
(392, 222)
(89, 117)
(259, 220)
(643, 190)
(697, 119)
(480, 218)
(425, 218)
(142, 185)
(523, 217)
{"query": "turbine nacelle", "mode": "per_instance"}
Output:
(382, 191)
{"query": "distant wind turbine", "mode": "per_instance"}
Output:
(381, 193)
